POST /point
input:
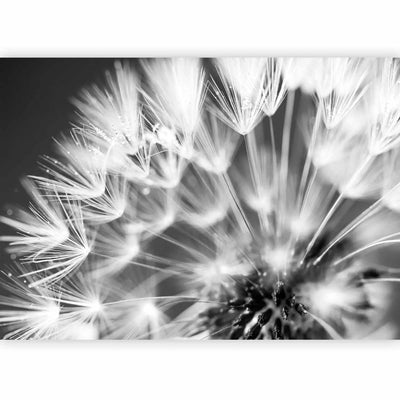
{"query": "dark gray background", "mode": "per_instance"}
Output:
(34, 107)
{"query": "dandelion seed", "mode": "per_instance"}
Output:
(299, 73)
(242, 96)
(28, 313)
(141, 314)
(177, 87)
(155, 210)
(82, 177)
(391, 179)
(109, 206)
(113, 111)
(40, 229)
(166, 168)
(346, 174)
(215, 145)
(61, 257)
(203, 202)
(275, 90)
(116, 248)
(334, 144)
(385, 98)
(345, 83)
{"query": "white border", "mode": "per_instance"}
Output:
(187, 370)
(199, 28)
(199, 371)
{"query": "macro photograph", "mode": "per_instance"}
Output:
(183, 198)
(199, 200)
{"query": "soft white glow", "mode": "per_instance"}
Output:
(51, 314)
(278, 258)
(95, 306)
(149, 310)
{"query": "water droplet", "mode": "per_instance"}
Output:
(246, 104)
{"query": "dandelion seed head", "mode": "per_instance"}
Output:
(178, 207)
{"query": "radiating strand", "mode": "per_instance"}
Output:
(328, 328)
(236, 207)
(336, 204)
(285, 150)
(386, 240)
(369, 212)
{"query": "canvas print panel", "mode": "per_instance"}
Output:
(228, 198)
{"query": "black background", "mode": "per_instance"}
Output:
(34, 107)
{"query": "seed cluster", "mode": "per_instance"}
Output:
(259, 311)
(264, 306)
